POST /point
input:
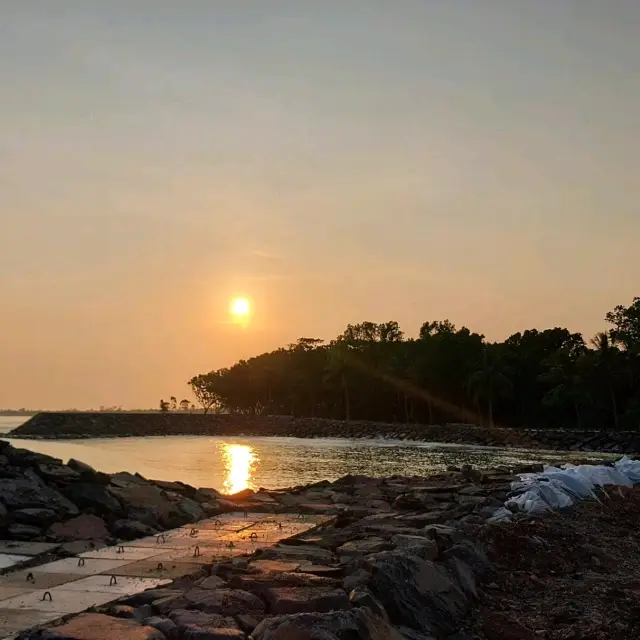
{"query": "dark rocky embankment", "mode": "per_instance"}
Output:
(111, 425)
(405, 558)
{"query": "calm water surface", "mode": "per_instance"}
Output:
(232, 464)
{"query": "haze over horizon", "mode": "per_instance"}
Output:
(334, 162)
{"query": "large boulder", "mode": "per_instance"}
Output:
(416, 593)
(145, 502)
(224, 601)
(29, 491)
(96, 626)
(85, 527)
(94, 497)
(131, 529)
(356, 624)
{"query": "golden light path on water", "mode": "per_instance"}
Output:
(239, 463)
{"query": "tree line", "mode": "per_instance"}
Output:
(550, 378)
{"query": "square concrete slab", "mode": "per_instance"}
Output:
(11, 592)
(159, 569)
(8, 560)
(27, 548)
(39, 581)
(81, 566)
(13, 621)
(62, 601)
(123, 586)
(125, 552)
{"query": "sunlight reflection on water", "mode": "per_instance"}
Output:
(239, 463)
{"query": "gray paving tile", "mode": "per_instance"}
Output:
(40, 580)
(164, 568)
(81, 566)
(8, 560)
(124, 552)
(62, 601)
(13, 621)
(26, 548)
(7, 592)
(123, 585)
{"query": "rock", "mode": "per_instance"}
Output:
(131, 529)
(26, 458)
(287, 600)
(260, 583)
(166, 627)
(84, 527)
(88, 473)
(241, 496)
(144, 502)
(227, 601)
(27, 532)
(175, 487)
(206, 495)
(416, 593)
(357, 578)
(363, 547)
(149, 596)
(212, 582)
(319, 570)
(421, 546)
(29, 491)
(4, 516)
(57, 473)
(191, 510)
(197, 625)
(356, 624)
(302, 553)
(94, 497)
(362, 597)
(248, 622)
(96, 626)
(36, 516)
(472, 555)
(170, 603)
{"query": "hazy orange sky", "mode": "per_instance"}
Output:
(334, 161)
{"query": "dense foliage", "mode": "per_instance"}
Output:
(535, 379)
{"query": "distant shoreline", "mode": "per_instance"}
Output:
(84, 425)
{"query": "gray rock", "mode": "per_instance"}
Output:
(4, 516)
(473, 555)
(29, 491)
(363, 547)
(362, 597)
(356, 624)
(27, 532)
(88, 473)
(224, 601)
(287, 600)
(85, 527)
(168, 628)
(94, 497)
(34, 516)
(421, 546)
(417, 593)
(57, 473)
(27, 458)
(131, 529)
(357, 578)
(197, 625)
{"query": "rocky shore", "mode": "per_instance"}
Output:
(111, 425)
(401, 558)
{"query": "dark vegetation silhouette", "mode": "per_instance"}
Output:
(535, 379)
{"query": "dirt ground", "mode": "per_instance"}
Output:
(570, 576)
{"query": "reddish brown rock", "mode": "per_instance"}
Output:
(286, 600)
(84, 527)
(96, 626)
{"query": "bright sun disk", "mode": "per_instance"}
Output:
(240, 307)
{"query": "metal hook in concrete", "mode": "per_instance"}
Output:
(193, 533)
(113, 581)
(45, 594)
(120, 549)
(81, 562)
(196, 552)
(217, 523)
(161, 537)
(253, 536)
(30, 577)
(160, 566)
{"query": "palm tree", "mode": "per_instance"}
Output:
(607, 364)
(489, 382)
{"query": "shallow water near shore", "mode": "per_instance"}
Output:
(233, 464)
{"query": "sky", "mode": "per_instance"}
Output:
(333, 161)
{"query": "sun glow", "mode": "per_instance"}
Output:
(239, 308)
(239, 461)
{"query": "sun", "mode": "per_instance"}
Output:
(239, 307)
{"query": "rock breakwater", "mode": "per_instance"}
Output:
(110, 425)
